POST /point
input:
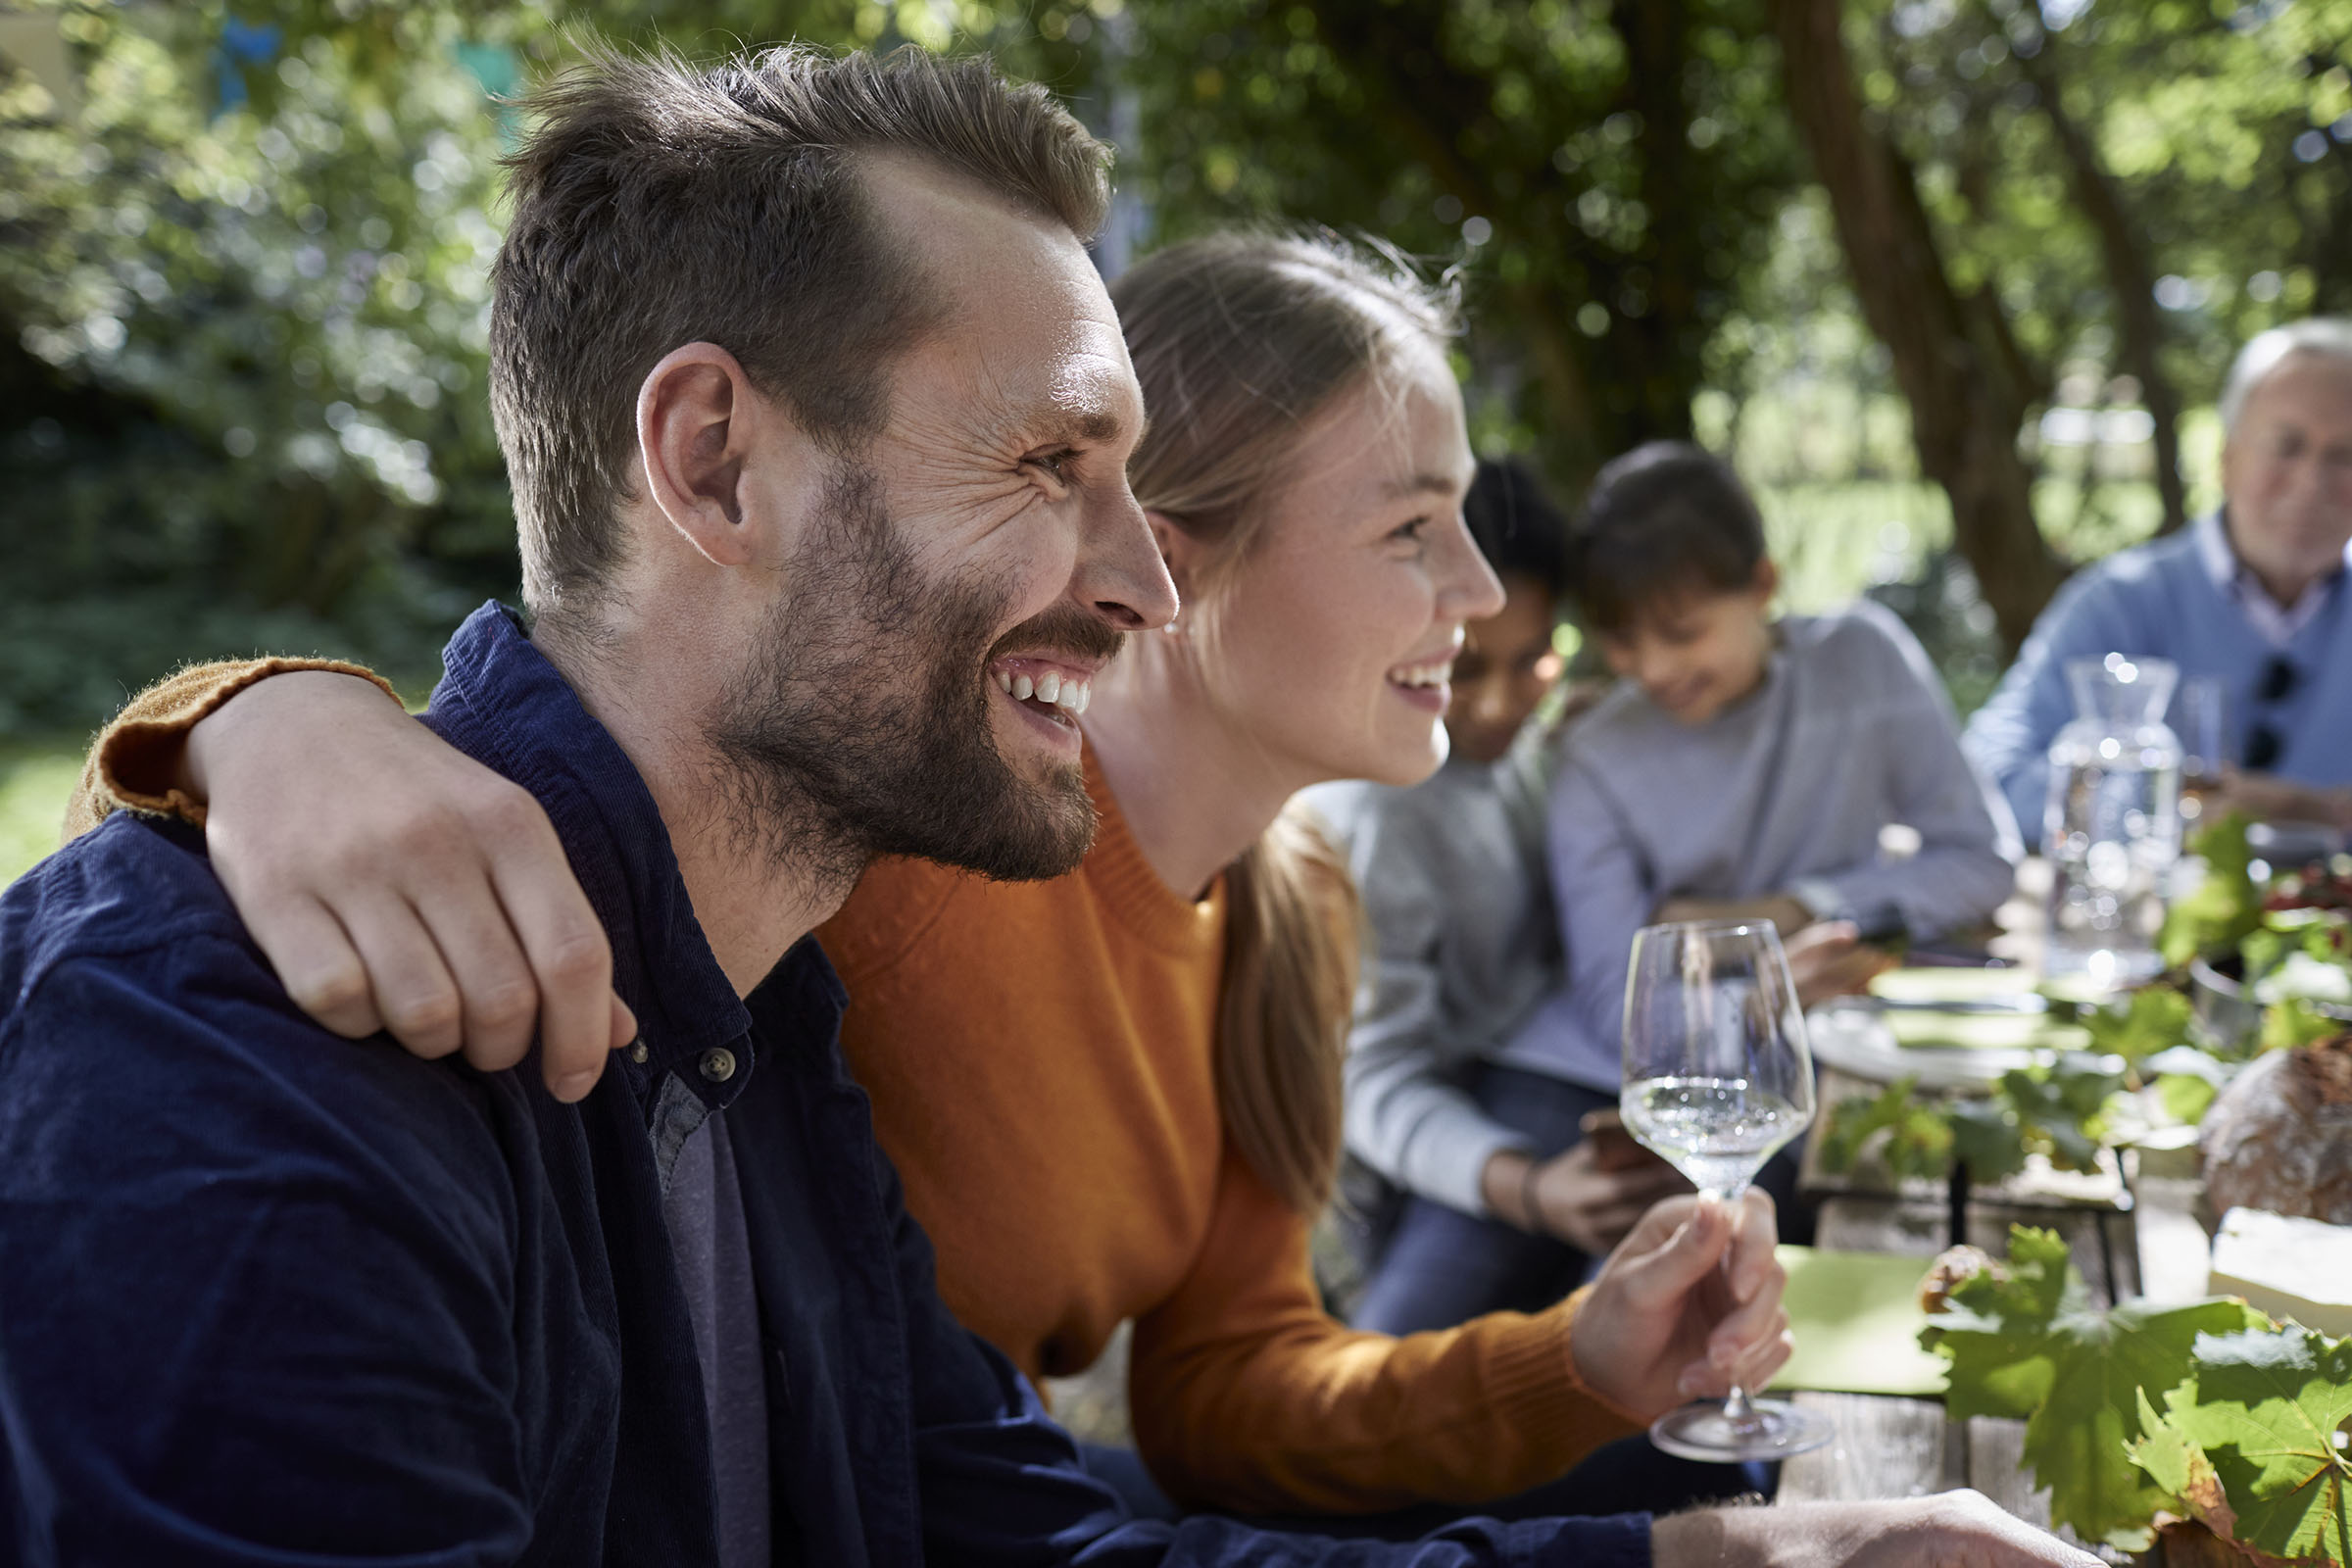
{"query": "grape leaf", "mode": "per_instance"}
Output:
(2057, 1107)
(2186, 1097)
(2292, 1023)
(1916, 1141)
(2176, 1464)
(2153, 1019)
(2031, 1345)
(1988, 1140)
(2212, 917)
(2264, 1411)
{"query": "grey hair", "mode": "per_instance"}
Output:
(2328, 335)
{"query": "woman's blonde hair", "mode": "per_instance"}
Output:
(1241, 341)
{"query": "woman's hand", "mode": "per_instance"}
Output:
(1657, 1329)
(396, 884)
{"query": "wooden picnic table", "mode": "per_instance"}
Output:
(2144, 1241)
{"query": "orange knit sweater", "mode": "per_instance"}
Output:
(1040, 1057)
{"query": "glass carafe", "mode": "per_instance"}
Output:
(2111, 829)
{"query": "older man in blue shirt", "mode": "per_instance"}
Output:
(817, 410)
(2254, 597)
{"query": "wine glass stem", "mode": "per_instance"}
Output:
(1736, 1407)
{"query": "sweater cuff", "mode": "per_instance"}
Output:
(1537, 1387)
(137, 756)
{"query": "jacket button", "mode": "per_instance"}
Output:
(718, 1065)
(638, 1052)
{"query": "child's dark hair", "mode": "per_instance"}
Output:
(1665, 519)
(1519, 528)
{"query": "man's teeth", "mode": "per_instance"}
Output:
(1073, 695)
(1424, 675)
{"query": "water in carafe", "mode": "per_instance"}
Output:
(2113, 826)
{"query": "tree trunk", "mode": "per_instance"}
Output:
(1966, 405)
(2139, 328)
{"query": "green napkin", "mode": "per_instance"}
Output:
(1970, 1030)
(1985, 1031)
(1855, 1317)
(1935, 983)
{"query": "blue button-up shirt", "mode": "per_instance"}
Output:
(268, 1296)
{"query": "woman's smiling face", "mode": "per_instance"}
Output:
(1329, 643)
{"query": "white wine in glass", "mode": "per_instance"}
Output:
(1718, 1077)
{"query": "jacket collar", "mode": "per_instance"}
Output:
(503, 704)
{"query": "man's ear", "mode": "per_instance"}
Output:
(693, 417)
(1768, 579)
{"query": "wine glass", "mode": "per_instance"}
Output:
(1718, 1076)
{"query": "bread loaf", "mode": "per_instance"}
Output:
(2279, 1137)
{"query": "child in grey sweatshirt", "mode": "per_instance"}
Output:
(1744, 767)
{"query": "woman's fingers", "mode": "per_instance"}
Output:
(316, 964)
(1753, 1268)
(498, 996)
(416, 995)
(570, 955)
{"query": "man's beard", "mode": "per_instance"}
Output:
(859, 726)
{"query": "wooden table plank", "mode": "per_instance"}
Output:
(1885, 1447)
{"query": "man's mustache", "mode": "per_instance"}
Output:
(1062, 629)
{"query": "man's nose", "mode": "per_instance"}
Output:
(1119, 571)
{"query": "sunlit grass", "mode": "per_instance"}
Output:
(35, 781)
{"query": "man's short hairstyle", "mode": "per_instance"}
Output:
(658, 202)
(1666, 519)
(1519, 528)
(2329, 335)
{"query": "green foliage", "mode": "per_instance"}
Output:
(2225, 908)
(1909, 1137)
(241, 288)
(2250, 1443)
(2294, 1022)
(2151, 1020)
(2026, 1343)
(2055, 1110)
(2186, 1097)
(2057, 1107)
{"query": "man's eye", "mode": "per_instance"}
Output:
(1055, 464)
(1412, 531)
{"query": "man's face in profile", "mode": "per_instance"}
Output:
(942, 615)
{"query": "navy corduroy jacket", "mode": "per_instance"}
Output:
(270, 1298)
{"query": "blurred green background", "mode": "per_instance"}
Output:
(244, 252)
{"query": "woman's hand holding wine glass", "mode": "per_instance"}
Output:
(1656, 1330)
(1717, 1079)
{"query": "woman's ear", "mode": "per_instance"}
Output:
(695, 413)
(1184, 554)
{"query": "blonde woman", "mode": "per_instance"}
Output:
(1114, 1094)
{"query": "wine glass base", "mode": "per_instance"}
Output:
(1773, 1428)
